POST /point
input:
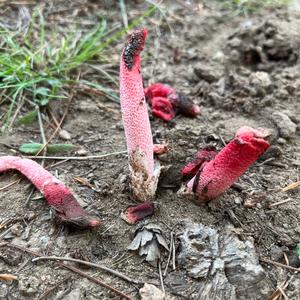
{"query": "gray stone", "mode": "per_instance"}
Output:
(287, 128)
(226, 267)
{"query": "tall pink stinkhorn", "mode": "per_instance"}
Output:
(144, 172)
(229, 164)
(65, 206)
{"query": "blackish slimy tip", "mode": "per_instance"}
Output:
(135, 44)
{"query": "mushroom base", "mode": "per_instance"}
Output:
(143, 184)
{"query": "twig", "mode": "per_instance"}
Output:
(59, 125)
(3, 234)
(123, 12)
(161, 277)
(280, 202)
(87, 263)
(170, 253)
(78, 157)
(283, 293)
(10, 184)
(44, 296)
(291, 186)
(44, 140)
(174, 254)
(29, 195)
(73, 269)
(275, 263)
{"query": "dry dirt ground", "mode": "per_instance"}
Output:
(241, 71)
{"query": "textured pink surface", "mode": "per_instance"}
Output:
(58, 196)
(133, 105)
(166, 102)
(231, 162)
(162, 108)
(202, 157)
(158, 90)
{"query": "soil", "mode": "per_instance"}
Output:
(241, 71)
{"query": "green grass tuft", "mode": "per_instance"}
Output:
(35, 66)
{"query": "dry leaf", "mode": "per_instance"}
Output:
(148, 241)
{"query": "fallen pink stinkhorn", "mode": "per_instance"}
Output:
(166, 102)
(144, 172)
(65, 206)
(229, 164)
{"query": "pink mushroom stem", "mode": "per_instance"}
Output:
(229, 164)
(143, 171)
(58, 196)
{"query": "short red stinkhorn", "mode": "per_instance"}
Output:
(229, 164)
(65, 206)
(144, 172)
(166, 102)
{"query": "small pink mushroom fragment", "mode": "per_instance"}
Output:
(229, 164)
(166, 102)
(137, 213)
(66, 208)
(159, 149)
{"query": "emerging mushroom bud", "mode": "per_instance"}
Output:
(166, 102)
(144, 172)
(59, 197)
(229, 164)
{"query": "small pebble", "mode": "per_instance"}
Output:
(64, 134)
(17, 230)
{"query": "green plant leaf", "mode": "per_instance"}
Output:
(28, 118)
(298, 250)
(34, 148)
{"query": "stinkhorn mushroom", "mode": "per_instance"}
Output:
(229, 164)
(59, 197)
(144, 172)
(166, 102)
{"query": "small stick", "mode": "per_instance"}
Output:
(283, 293)
(291, 186)
(286, 259)
(44, 295)
(275, 263)
(280, 202)
(10, 184)
(58, 127)
(44, 140)
(73, 269)
(123, 12)
(170, 253)
(3, 234)
(101, 267)
(78, 157)
(161, 277)
(174, 254)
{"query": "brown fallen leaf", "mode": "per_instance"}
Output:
(8, 277)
